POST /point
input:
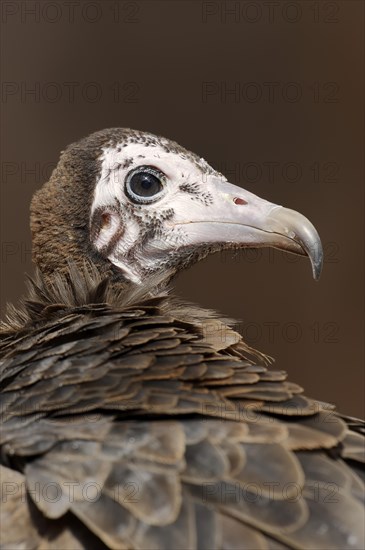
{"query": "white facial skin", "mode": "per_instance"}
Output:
(196, 209)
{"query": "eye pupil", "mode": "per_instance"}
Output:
(144, 183)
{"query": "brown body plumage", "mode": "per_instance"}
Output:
(132, 420)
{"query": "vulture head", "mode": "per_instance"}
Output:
(137, 205)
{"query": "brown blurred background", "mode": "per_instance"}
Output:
(270, 93)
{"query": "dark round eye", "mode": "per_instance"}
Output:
(144, 184)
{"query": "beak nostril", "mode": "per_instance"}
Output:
(237, 200)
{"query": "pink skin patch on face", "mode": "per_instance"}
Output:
(237, 200)
(106, 220)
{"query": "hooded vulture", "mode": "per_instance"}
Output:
(132, 420)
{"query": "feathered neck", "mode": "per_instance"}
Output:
(88, 291)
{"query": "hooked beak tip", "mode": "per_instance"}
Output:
(317, 265)
(302, 232)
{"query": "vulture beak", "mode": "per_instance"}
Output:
(236, 217)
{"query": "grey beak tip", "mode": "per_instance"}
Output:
(317, 265)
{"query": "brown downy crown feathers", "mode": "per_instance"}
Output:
(60, 209)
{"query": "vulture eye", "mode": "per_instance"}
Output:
(144, 184)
